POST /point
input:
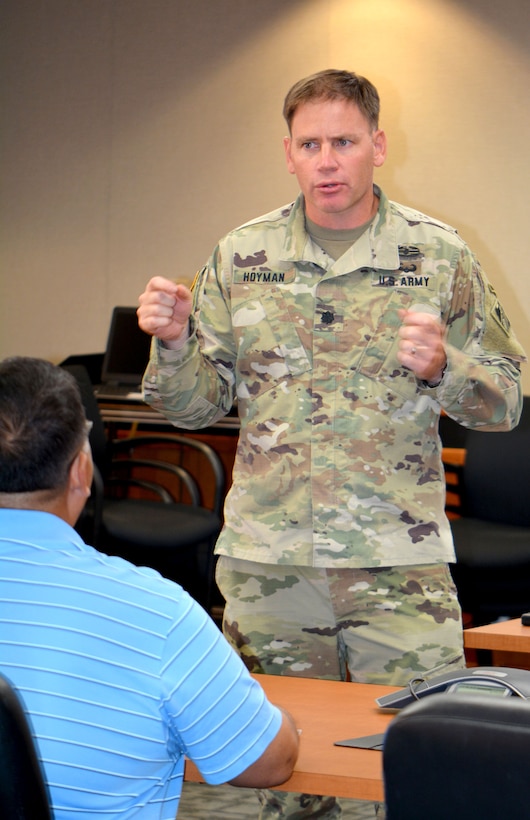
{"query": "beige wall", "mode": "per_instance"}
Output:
(136, 132)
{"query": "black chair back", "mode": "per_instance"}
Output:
(496, 476)
(492, 538)
(23, 793)
(456, 757)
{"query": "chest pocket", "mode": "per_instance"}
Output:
(380, 349)
(378, 359)
(270, 345)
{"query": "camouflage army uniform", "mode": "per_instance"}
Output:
(338, 464)
(338, 459)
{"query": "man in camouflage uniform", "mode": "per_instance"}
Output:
(342, 323)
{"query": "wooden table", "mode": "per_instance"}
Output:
(327, 711)
(508, 641)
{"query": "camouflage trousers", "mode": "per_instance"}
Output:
(380, 625)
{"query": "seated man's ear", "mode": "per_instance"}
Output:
(79, 482)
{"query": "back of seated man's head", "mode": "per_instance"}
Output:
(42, 428)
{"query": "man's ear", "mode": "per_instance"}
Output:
(288, 158)
(79, 483)
(81, 471)
(380, 146)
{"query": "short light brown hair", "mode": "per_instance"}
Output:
(333, 84)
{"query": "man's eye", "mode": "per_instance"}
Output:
(343, 143)
(309, 144)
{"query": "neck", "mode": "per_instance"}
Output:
(347, 220)
(49, 501)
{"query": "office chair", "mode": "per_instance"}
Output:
(23, 793)
(451, 432)
(456, 757)
(164, 524)
(492, 536)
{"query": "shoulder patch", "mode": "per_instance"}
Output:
(500, 317)
(496, 310)
(498, 334)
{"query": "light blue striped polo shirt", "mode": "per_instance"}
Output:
(122, 673)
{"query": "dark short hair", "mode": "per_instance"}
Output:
(333, 84)
(42, 425)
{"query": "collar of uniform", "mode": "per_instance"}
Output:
(298, 245)
(383, 235)
(376, 248)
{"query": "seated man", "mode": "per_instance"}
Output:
(122, 673)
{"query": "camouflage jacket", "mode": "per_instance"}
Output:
(339, 460)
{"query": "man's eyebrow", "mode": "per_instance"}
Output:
(348, 136)
(305, 138)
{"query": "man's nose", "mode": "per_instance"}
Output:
(327, 158)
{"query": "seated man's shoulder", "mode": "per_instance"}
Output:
(115, 577)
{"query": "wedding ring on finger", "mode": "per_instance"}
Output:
(412, 351)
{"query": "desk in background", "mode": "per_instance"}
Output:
(327, 711)
(508, 642)
(138, 414)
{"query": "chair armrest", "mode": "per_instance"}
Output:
(176, 470)
(128, 445)
(143, 484)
